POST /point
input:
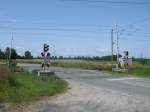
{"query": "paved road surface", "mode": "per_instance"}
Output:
(129, 85)
(134, 88)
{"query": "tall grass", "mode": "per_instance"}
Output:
(138, 68)
(22, 86)
(83, 64)
(4, 74)
(30, 61)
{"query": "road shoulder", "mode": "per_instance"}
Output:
(83, 97)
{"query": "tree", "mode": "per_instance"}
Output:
(28, 55)
(7, 53)
(2, 54)
(61, 57)
(14, 54)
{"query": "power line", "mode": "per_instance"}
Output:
(112, 2)
(136, 39)
(47, 29)
(124, 30)
(136, 22)
(141, 35)
(54, 24)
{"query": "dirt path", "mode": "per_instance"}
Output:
(83, 97)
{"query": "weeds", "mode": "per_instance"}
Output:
(23, 87)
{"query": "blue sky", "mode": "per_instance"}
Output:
(74, 28)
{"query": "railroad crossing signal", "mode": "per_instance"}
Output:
(46, 47)
(46, 57)
(42, 54)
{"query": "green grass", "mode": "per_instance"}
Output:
(137, 69)
(23, 87)
(140, 72)
(30, 61)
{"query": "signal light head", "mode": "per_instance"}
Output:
(42, 54)
(46, 47)
(48, 54)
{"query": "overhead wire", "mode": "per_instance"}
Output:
(112, 2)
(47, 29)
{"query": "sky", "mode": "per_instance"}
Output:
(75, 28)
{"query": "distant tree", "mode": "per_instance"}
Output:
(52, 57)
(38, 57)
(7, 52)
(61, 57)
(2, 54)
(96, 58)
(28, 55)
(142, 61)
(20, 57)
(14, 54)
(69, 57)
(56, 57)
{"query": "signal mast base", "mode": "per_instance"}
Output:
(45, 72)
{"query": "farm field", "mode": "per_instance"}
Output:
(138, 68)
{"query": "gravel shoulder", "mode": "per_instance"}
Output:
(82, 97)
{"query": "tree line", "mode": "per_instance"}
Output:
(105, 58)
(4, 54)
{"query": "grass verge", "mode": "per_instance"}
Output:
(137, 69)
(23, 87)
(140, 72)
(143, 72)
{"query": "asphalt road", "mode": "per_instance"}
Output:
(94, 91)
(127, 85)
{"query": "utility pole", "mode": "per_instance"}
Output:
(117, 34)
(10, 50)
(112, 46)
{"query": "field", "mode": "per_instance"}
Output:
(83, 64)
(22, 86)
(139, 68)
